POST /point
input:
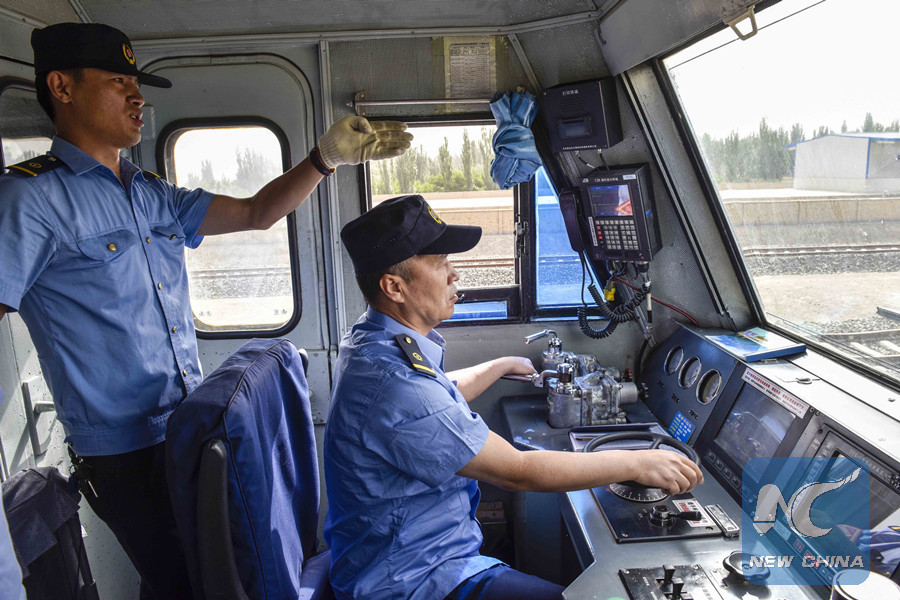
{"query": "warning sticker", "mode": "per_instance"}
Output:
(785, 399)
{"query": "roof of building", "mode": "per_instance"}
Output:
(877, 136)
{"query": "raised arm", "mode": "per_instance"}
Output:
(500, 464)
(472, 381)
(350, 141)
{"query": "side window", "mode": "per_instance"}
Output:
(558, 274)
(25, 130)
(800, 132)
(449, 166)
(240, 282)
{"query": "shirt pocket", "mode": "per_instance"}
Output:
(108, 246)
(171, 232)
(167, 250)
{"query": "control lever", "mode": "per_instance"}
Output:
(663, 517)
(535, 379)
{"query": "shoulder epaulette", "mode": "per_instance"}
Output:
(35, 166)
(411, 349)
(151, 175)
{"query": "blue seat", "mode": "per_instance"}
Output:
(244, 479)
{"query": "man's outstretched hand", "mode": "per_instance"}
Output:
(354, 140)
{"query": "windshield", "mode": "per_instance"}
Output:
(800, 130)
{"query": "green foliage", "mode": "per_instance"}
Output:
(763, 156)
(417, 172)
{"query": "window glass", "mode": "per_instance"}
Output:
(558, 269)
(25, 129)
(800, 129)
(449, 165)
(239, 281)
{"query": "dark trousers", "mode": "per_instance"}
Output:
(129, 493)
(503, 583)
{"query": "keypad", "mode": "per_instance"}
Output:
(616, 234)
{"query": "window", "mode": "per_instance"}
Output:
(239, 281)
(25, 129)
(449, 165)
(558, 274)
(800, 129)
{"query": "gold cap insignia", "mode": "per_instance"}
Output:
(129, 55)
(434, 216)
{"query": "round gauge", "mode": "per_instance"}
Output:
(690, 370)
(709, 387)
(673, 359)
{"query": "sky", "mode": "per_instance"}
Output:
(219, 147)
(834, 61)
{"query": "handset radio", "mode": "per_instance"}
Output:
(611, 215)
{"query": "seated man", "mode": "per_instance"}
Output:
(402, 449)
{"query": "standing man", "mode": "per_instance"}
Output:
(402, 448)
(93, 259)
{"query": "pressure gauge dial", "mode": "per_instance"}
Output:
(673, 359)
(690, 370)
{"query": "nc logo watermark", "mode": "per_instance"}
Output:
(805, 518)
(798, 510)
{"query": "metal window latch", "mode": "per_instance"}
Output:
(747, 14)
(521, 231)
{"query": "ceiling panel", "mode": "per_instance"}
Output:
(178, 18)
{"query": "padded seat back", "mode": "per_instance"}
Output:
(257, 404)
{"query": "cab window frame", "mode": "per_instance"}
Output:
(165, 143)
(515, 296)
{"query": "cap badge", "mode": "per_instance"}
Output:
(129, 55)
(434, 216)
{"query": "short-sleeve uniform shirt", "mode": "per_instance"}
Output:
(400, 523)
(96, 269)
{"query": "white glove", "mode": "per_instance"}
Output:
(353, 140)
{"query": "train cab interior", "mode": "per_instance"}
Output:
(691, 218)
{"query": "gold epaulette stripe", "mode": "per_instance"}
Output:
(23, 169)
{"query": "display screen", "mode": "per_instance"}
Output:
(753, 429)
(575, 128)
(610, 200)
(884, 517)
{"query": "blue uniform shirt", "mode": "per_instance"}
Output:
(401, 523)
(97, 271)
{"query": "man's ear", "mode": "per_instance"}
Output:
(60, 86)
(393, 287)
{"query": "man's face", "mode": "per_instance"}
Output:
(107, 106)
(431, 292)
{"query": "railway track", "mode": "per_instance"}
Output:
(509, 262)
(266, 272)
(883, 345)
(820, 250)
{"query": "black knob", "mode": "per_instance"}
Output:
(668, 573)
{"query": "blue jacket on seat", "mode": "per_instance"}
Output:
(257, 403)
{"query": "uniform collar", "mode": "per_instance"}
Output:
(80, 161)
(431, 345)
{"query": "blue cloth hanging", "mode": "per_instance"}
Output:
(515, 155)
